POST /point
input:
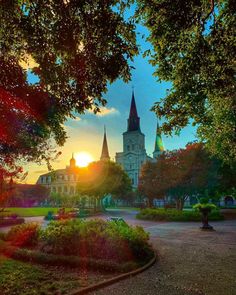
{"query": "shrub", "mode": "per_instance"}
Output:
(24, 235)
(35, 256)
(200, 206)
(49, 216)
(96, 239)
(2, 236)
(175, 215)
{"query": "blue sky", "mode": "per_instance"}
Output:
(86, 132)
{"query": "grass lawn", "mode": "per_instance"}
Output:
(29, 212)
(19, 278)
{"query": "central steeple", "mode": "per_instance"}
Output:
(105, 152)
(134, 120)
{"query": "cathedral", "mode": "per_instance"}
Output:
(134, 155)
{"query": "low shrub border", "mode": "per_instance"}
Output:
(9, 221)
(39, 257)
(175, 215)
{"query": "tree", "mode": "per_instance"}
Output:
(74, 49)
(62, 200)
(28, 195)
(103, 178)
(195, 47)
(7, 186)
(179, 174)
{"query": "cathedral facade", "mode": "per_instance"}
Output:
(134, 153)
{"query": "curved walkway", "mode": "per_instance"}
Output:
(191, 262)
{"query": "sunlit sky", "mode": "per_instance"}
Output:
(85, 133)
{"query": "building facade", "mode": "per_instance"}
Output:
(134, 154)
(62, 181)
(65, 181)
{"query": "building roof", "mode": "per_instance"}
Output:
(105, 152)
(159, 147)
(134, 120)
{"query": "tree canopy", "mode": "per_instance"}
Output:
(103, 178)
(194, 47)
(74, 48)
(184, 173)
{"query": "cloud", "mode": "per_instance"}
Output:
(104, 111)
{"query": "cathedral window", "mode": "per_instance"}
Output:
(59, 189)
(65, 189)
(128, 147)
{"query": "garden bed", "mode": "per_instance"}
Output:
(76, 246)
(175, 215)
(103, 245)
(88, 264)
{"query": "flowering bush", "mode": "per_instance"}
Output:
(96, 239)
(24, 235)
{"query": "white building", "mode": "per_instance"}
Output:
(134, 154)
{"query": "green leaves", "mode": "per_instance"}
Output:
(103, 178)
(75, 48)
(194, 48)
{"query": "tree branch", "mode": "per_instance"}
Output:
(211, 11)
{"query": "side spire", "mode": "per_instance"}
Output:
(72, 162)
(134, 120)
(105, 152)
(159, 147)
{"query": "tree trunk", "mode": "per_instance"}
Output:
(103, 209)
(179, 204)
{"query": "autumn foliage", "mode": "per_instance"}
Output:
(179, 174)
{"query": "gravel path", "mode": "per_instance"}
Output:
(190, 262)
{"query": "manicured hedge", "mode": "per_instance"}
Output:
(175, 215)
(35, 256)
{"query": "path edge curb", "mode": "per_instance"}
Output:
(114, 279)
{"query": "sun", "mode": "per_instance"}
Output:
(83, 159)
